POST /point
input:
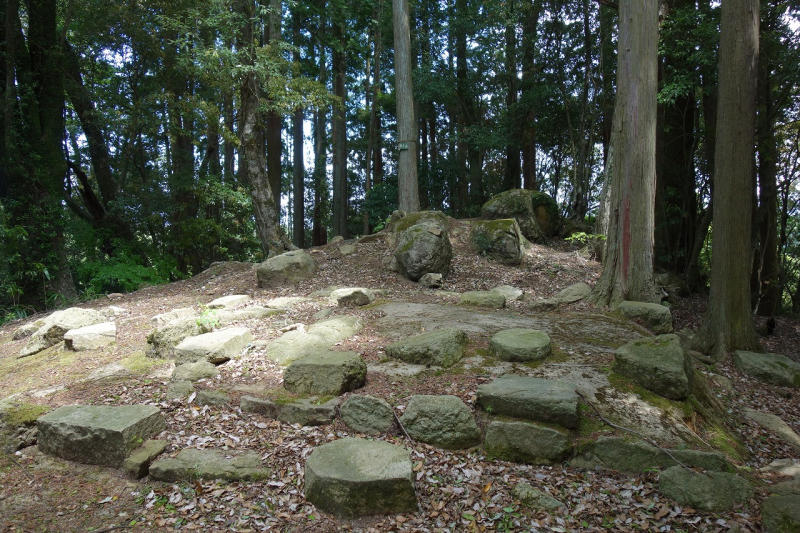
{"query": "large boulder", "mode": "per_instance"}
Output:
(325, 373)
(499, 240)
(520, 345)
(400, 221)
(91, 337)
(526, 442)
(367, 414)
(657, 317)
(441, 347)
(711, 491)
(57, 324)
(443, 421)
(421, 249)
(358, 477)
(535, 399)
(535, 212)
(780, 513)
(659, 364)
(99, 435)
(298, 343)
(618, 453)
(285, 269)
(192, 464)
(215, 347)
(161, 342)
(768, 367)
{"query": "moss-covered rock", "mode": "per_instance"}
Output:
(659, 364)
(711, 491)
(768, 367)
(535, 212)
(421, 249)
(443, 421)
(441, 347)
(326, 373)
(526, 442)
(286, 269)
(500, 240)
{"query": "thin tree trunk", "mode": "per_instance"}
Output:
(407, 185)
(339, 134)
(274, 120)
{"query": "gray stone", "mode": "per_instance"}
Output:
(352, 297)
(781, 514)
(712, 491)
(723, 383)
(520, 345)
(785, 467)
(787, 487)
(659, 364)
(654, 316)
(112, 311)
(526, 442)
(111, 370)
(443, 421)
(91, 337)
(431, 280)
(322, 314)
(215, 347)
(194, 371)
(397, 369)
(296, 344)
(421, 249)
(225, 302)
(56, 325)
(441, 347)
(304, 412)
(285, 269)
(500, 240)
(357, 477)
(101, 435)
(400, 221)
(768, 367)
(534, 498)
(535, 212)
(207, 464)
(491, 299)
(510, 292)
(347, 249)
(367, 414)
(255, 311)
(212, 397)
(571, 294)
(617, 453)
(26, 330)
(325, 373)
(538, 400)
(285, 302)
(776, 426)
(138, 462)
(172, 316)
(179, 389)
(161, 342)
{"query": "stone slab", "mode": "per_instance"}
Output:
(208, 464)
(138, 462)
(325, 373)
(441, 347)
(538, 400)
(91, 337)
(215, 347)
(225, 302)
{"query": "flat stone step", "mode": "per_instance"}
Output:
(526, 442)
(520, 345)
(535, 399)
(443, 421)
(326, 373)
(358, 477)
(91, 337)
(98, 434)
(305, 412)
(225, 302)
(215, 347)
(191, 464)
(441, 347)
(659, 364)
(299, 343)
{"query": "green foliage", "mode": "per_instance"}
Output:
(121, 273)
(381, 201)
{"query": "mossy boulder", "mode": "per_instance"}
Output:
(657, 317)
(520, 345)
(711, 491)
(492, 299)
(441, 347)
(535, 399)
(526, 442)
(443, 421)
(325, 373)
(286, 269)
(768, 367)
(421, 249)
(367, 414)
(659, 364)
(500, 240)
(400, 221)
(535, 212)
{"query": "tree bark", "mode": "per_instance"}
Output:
(298, 166)
(339, 131)
(728, 324)
(407, 184)
(274, 120)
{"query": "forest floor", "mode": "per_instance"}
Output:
(457, 490)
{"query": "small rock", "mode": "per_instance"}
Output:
(776, 426)
(443, 421)
(138, 462)
(285, 269)
(91, 337)
(326, 373)
(500, 240)
(441, 347)
(352, 297)
(215, 347)
(112, 311)
(255, 311)
(207, 464)
(483, 299)
(347, 249)
(25, 331)
(511, 293)
(520, 345)
(226, 302)
(179, 389)
(785, 467)
(161, 342)
(535, 498)
(172, 316)
(712, 491)
(571, 294)
(654, 316)
(194, 371)
(431, 280)
(768, 367)
(305, 412)
(527, 443)
(215, 398)
(367, 414)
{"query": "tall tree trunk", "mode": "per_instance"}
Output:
(628, 255)
(530, 32)
(298, 167)
(728, 324)
(513, 167)
(340, 195)
(407, 185)
(274, 120)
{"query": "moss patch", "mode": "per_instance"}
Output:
(684, 409)
(24, 414)
(139, 363)
(725, 441)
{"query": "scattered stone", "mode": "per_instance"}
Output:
(657, 317)
(326, 373)
(358, 477)
(421, 249)
(26, 330)
(776, 426)
(618, 453)
(194, 371)
(520, 345)
(304, 412)
(723, 383)
(535, 212)
(352, 297)
(535, 498)
(161, 342)
(367, 414)
(441, 347)
(212, 397)
(207, 464)
(91, 337)
(285, 302)
(138, 462)
(781, 513)
(787, 487)
(347, 249)
(112, 311)
(491, 299)
(56, 325)
(18, 425)
(768, 367)
(538, 400)
(510, 292)
(179, 389)
(712, 491)
(285, 269)
(215, 347)
(296, 344)
(500, 240)
(99, 435)
(255, 311)
(323, 314)
(526, 442)
(443, 421)
(111, 370)
(431, 280)
(785, 467)
(573, 293)
(172, 316)
(226, 302)
(659, 364)
(397, 369)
